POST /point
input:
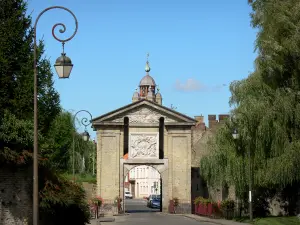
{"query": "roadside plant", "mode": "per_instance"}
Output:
(98, 201)
(201, 200)
(176, 201)
(117, 200)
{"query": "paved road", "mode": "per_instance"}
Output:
(155, 219)
(137, 205)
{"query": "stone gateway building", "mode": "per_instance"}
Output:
(153, 135)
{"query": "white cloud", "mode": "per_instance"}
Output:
(191, 85)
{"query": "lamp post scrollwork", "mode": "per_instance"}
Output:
(85, 135)
(63, 68)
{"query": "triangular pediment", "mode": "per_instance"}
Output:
(143, 112)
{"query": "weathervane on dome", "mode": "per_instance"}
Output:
(147, 68)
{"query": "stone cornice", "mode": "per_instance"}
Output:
(159, 108)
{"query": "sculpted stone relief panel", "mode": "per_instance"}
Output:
(143, 115)
(143, 145)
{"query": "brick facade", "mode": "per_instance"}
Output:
(201, 135)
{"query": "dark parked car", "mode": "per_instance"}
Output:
(150, 199)
(155, 203)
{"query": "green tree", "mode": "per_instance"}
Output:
(58, 146)
(266, 108)
(16, 73)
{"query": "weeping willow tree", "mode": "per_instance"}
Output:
(266, 108)
(58, 147)
(85, 156)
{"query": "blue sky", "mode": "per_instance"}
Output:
(196, 49)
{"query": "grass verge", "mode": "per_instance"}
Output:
(285, 220)
(79, 178)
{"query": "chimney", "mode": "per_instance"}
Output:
(199, 119)
(200, 122)
(223, 117)
(212, 121)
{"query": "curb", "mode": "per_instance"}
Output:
(197, 219)
(123, 214)
(203, 219)
(106, 219)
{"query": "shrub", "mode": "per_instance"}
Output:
(62, 201)
(227, 208)
(176, 201)
(117, 201)
(98, 201)
(227, 205)
(201, 200)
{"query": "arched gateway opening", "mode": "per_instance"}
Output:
(142, 189)
(159, 167)
(143, 168)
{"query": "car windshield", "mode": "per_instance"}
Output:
(127, 192)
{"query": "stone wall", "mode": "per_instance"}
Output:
(15, 196)
(201, 135)
(90, 190)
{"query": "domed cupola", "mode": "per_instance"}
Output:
(147, 88)
(147, 82)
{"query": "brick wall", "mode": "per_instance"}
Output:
(15, 196)
(200, 138)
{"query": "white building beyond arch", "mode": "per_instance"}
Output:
(160, 165)
(143, 181)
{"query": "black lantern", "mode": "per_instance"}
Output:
(86, 136)
(235, 134)
(63, 66)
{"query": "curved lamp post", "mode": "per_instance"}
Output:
(235, 136)
(85, 135)
(63, 68)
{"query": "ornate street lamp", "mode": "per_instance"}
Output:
(235, 136)
(63, 67)
(85, 135)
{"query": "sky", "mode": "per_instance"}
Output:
(196, 49)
